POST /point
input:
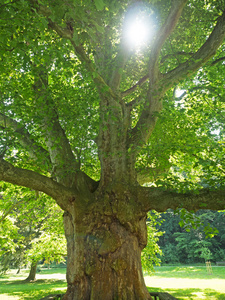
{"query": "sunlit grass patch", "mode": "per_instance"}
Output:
(195, 272)
(183, 282)
(189, 282)
(13, 286)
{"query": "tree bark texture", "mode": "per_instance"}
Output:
(104, 252)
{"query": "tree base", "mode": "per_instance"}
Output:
(154, 295)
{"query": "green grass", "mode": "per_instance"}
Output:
(183, 282)
(13, 287)
(189, 282)
(194, 272)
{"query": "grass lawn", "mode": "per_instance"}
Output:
(183, 282)
(188, 282)
(49, 281)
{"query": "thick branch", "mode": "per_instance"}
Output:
(65, 167)
(180, 53)
(146, 123)
(206, 52)
(154, 198)
(134, 87)
(68, 33)
(35, 181)
(97, 78)
(36, 152)
(150, 174)
(120, 62)
(55, 138)
(160, 84)
(163, 33)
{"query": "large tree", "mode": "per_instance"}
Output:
(79, 109)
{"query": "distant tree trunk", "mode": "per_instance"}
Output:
(33, 270)
(104, 250)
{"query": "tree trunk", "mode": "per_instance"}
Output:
(32, 274)
(104, 247)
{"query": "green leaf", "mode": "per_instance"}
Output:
(75, 38)
(99, 4)
(100, 28)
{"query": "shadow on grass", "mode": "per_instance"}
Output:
(36, 282)
(191, 294)
(32, 290)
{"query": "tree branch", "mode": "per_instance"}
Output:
(154, 198)
(55, 138)
(206, 52)
(159, 83)
(130, 105)
(180, 53)
(38, 182)
(120, 62)
(163, 33)
(36, 152)
(65, 167)
(97, 78)
(218, 60)
(146, 123)
(68, 33)
(134, 87)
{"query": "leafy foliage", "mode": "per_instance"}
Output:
(30, 231)
(194, 241)
(150, 254)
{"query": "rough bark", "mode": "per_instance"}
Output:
(36, 181)
(159, 200)
(104, 249)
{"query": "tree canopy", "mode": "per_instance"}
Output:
(57, 58)
(111, 128)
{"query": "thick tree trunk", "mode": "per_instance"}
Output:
(104, 253)
(32, 274)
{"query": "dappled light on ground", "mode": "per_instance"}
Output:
(49, 281)
(183, 282)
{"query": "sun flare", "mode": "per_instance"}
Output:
(137, 33)
(138, 28)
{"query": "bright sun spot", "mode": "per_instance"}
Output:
(138, 27)
(137, 33)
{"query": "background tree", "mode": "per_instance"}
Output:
(31, 230)
(200, 238)
(79, 114)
